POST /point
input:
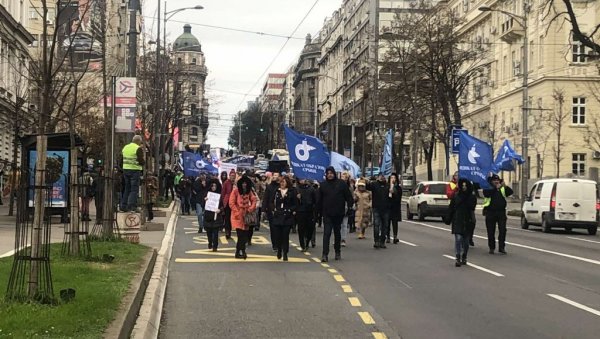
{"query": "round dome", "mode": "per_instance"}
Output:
(187, 41)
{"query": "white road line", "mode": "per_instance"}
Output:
(477, 267)
(408, 243)
(591, 261)
(586, 240)
(575, 304)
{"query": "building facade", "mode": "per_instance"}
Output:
(306, 74)
(14, 100)
(188, 86)
(563, 82)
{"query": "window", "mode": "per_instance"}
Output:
(538, 191)
(33, 14)
(179, 60)
(578, 164)
(194, 89)
(578, 52)
(578, 111)
(193, 61)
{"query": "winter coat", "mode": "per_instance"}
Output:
(462, 208)
(151, 188)
(226, 192)
(381, 195)
(308, 198)
(396, 203)
(198, 192)
(268, 198)
(334, 198)
(284, 207)
(212, 219)
(241, 204)
(364, 204)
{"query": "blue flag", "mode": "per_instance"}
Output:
(504, 158)
(475, 160)
(308, 156)
(194, 165)
(386, 163)
(341, 164)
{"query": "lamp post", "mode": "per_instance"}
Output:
(521, 20)
(159, 86)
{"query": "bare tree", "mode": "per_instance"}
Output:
(557, 120)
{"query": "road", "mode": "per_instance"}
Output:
(548, 286)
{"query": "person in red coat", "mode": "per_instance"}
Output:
(452, 186)
(242, 201)
(227, 184)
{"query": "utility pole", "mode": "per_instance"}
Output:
(525, 137)
(375, 79)
(240, 131)
(157, 99)
(132, 46)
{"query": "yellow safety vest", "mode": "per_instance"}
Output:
(453, 185)
(130, 157)
(488, 201)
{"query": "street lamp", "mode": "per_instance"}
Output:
(521, 20)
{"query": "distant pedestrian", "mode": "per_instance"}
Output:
(395, 207)
(381, 210)
(307, 198)
(267, 203)
(169, 183)
(86, 194)
(334, 200)
(151, 182)
(462, 207)
(212, 220)
(352, 213)
(227, 182)
(185, 191)
(199, 190)
(133, 162)
(260, 187)
(345, 177)
(363, 203)
(452, 186)
(494, 206)
(242, 201)
(284, 207)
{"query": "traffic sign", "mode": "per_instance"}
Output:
(455, 140)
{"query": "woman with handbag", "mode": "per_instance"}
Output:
(243, 213)
(212, 220)
(284, 209)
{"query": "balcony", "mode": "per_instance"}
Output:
(511, 31)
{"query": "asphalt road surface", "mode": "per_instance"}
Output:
(548, 286)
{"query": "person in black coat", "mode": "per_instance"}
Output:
(382, 205)
(495, 212)
(199, 191)
(305, 213)
(462, 207)
(334, 201)
(169, 182)
(267, 203)
(212, 220)
(283, 207)
(395, 207)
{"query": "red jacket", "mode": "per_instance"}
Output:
(451, 189)
(226, 192)
(240, 205)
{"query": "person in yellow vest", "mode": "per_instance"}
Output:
(133, 160)
(452, 186)
(494, 207)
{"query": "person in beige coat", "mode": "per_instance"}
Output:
(363, 200)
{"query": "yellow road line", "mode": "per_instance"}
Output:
(299, 248)
(366, 318)
(339, 278)
(316, 259)
(232, 259)
(379, 335)
(325, 265)
(307, 253)
(354, 301)
(331, 270)
(347, 288)
(223, 239)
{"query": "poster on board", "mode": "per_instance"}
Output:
(212, 202)
(58, 163)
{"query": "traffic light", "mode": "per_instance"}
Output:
(261, 128)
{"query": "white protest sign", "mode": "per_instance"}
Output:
(212, 204)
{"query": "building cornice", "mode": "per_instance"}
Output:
(14, 26)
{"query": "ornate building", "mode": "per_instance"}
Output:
(188, 81)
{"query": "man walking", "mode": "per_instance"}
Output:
(227, 183)
(304, 213)
(133, 160)
(494, 207)
(334, 201)
(381, 210)
(268, 198)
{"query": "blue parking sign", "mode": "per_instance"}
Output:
(455, 140)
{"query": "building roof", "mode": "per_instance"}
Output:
(187, 42)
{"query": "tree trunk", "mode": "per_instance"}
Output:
(38, 216)
(74, 245)
(14, 170)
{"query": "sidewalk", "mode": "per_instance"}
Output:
(151, 239)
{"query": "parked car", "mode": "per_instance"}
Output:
(428, 199)
(371, 171)
(562, 203)
(407, 182)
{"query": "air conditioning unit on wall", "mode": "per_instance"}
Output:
(596, 155)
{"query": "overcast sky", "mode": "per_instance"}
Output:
(236, 60)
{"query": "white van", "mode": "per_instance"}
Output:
(563, 203)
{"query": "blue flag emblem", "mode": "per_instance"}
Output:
(342, 163)
(504, 158)
(475, 160)
(308, 156)
(194, 165)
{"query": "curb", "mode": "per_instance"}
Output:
(122, 326)
(150, 313)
